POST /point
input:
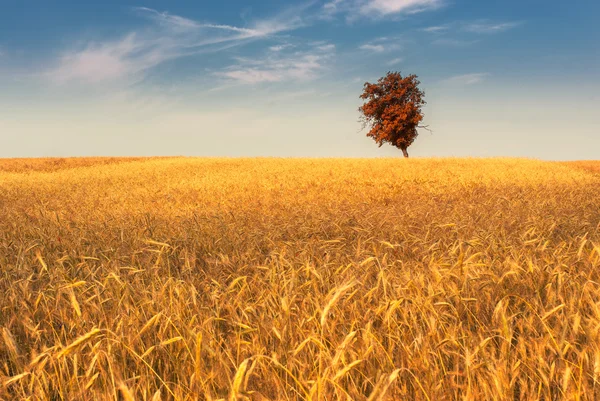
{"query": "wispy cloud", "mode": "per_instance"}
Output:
(394, 61)
(373, 48)
(285, 21)
(279, 67)
(119, 59)
(326, 48)
(354, 9)
(387, 7)
(467, 79)
(479, 27)
(383, 44)
(303, 67)
(460, 28)
(167, 38)
(487, 27)
(334, 6)
(436, 29)
(453, 42)
(278, 48)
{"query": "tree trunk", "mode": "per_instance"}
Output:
(405, 152)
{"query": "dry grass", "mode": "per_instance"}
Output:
(50, 164)
(237, 279)
(589, 165)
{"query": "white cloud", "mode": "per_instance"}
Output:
(354, 9)
(167, 20)
(383, 44)
(453, 42)
(332, 7)
(467, 79)
(479, 27)
(386, 7)
(436, 29)
(280, 66)
(326, 48)
(253, 75)
(485, 27)
(169, 37)
(372, 47)
(259, 28)
(108, 61)
(297, 67)
(395, 61)
(278, 48)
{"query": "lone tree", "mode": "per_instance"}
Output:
(393, 110)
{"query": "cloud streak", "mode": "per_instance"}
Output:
(168, 37)
(382, 44)
(394, 61)
(356, 9)
(467, 79)
(278, 48)
(436, 29)
(453, 42)
(372, 47)
(389, 7)
(489, 28)
(474, 27)
(279, 67)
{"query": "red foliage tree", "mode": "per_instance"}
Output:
(392, 110)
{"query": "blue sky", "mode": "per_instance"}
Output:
(281, 78)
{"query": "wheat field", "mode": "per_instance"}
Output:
(299, 279)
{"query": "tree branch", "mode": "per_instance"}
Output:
(426, 128)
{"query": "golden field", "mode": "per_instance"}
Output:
(299, 279)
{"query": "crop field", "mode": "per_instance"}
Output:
(299, 279)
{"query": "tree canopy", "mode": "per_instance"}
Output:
(392, 110)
